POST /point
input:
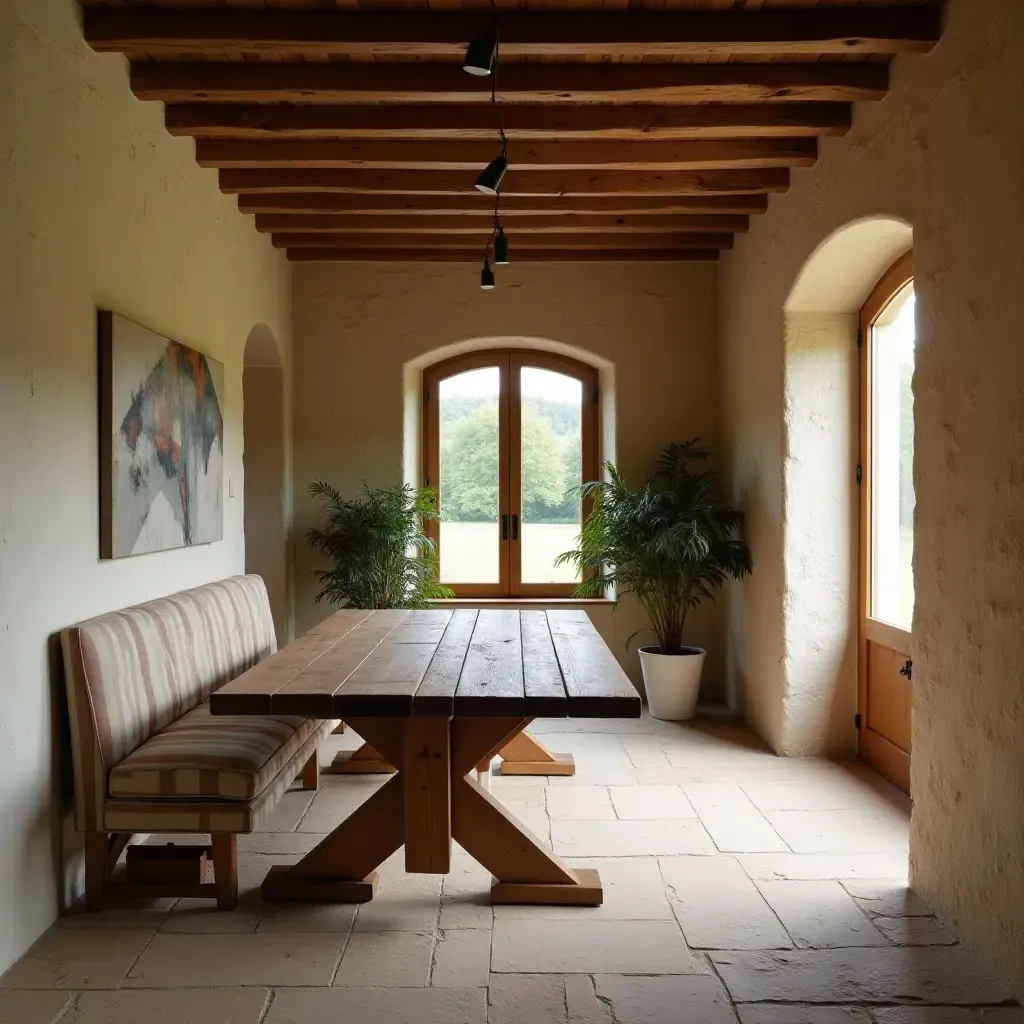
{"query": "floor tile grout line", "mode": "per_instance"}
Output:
(344, 947)
(132, 965)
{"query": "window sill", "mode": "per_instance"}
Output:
(523, 602)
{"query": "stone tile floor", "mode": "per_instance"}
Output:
(740, 888)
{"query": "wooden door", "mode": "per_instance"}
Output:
(508, 438)
(887, 525)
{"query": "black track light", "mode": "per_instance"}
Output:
(501, 257)
(480, 53)
(487, 277)
(490, 178)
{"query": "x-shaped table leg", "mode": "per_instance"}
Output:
(430, 801)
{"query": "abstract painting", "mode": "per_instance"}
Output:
(161, 442)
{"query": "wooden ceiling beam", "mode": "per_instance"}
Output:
(512, 207)
(516, 183)
(179, 82)
(443, 35)
(563, 240)
(447, 121)
(694, 154)
(473, 256)
(470, 224)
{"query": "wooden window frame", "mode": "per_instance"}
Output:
(871, 630)
(510, 362)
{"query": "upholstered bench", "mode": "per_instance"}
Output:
(148, 756)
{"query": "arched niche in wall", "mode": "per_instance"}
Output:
(264, 463)
(820, 496)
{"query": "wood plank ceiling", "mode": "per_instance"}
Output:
(637, 131)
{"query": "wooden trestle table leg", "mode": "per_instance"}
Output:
(525, 755)
(432, 800)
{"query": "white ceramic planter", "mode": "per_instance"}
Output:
(672, 681)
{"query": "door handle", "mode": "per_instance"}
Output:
(504, 527)
(515, 527)
(908, 668)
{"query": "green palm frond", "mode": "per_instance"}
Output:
(670, 544)
(378, 554)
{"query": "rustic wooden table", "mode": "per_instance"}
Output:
(436, 693)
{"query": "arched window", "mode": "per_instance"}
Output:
(888, 338)
(508, 437)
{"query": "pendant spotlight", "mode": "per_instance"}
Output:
(481, 53)
(487, 277)
(490, 178)
(501, 255)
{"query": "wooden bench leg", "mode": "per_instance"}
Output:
(310, 774)
(97, 848)
(225, 869)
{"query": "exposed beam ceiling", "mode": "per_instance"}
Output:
(517, 182)
(524, 35)
(637, 134)
(266, 82)
(661, 122)
(422, 154)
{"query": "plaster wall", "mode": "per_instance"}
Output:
(99, 208)
(820, 396)
(359, 328)
(944, 152)
(266, 535)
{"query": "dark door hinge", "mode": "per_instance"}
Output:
(860, 474)
(856, 720)
(426, 481)
(595, 396)
(426, 396)
(860, 338)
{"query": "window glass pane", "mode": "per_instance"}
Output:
(468, 411)
(552, 460)
(892, 540)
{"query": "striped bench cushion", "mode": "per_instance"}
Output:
(134, 671)
(231, 757)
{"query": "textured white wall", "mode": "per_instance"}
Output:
(265, 463)
(944, 152)
(98, 207)
(357, 326)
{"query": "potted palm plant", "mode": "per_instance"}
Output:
(670, 544)
(378, 553)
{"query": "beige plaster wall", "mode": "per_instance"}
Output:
(266, 486)
(357, 326)
(945, 153)
(98, 207)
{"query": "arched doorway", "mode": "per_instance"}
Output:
(264, 461)
(821, 496)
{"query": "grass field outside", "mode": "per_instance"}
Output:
(469, 552)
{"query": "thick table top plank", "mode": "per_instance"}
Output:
(595, 684)
(467, 662)
(436, 694)
(252, 693)
(312, 693)
(542, 676)
(492, 675)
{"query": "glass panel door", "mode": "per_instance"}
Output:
(892, 462)
(885, 667)
(551, 464)
(508, 439)
(469, 476)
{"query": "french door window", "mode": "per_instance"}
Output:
(509, 437)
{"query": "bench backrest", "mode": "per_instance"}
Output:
(132, 672)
